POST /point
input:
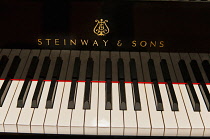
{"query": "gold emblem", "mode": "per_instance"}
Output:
(101, 28)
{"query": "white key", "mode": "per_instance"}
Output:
(91, 115)
(143, 118)
(38, 118)
(26, 113)
(155, 116)
(194, 117)
(13, 113)
(205, 114)
(50, 124)
(183, 122)
(208, 86)
(77, 119)
(8, 99)
(168, 114)
(129, 114)
(65, 113)
(1, 82)
(117, 123)
(103, 115)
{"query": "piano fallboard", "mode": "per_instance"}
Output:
(127, 25)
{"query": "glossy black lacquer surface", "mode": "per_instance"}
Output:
(133, 25)
(137, 25)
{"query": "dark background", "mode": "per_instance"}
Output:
(184, 26)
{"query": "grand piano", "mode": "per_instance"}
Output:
(105, 69)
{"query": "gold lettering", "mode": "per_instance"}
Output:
(48, 41)
(39, 41)
(119, 43)
(57, 42)
(143, 43)
(73, 42)
(64, 41)
(161, 44)
(95, 42)
(153, 44)
(105, 42)
(84, 42)
(134, 43)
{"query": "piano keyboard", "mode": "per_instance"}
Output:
(104, 93)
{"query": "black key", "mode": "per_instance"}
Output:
(133, 69)
(175, 65)
(191, 91)
(193, 97)
(114, 57)
(89, 75)
(196, 71)
(76, 70)
(205, 93)
(45, 67)
(42, 56)
(202, 85)
(137, 104)
(184, 71)
(136, 57)
(14, 67)
(126, 59)
(4, 89)
(57, 68)
(32, 68)
(84, 55)
(144, 61)
(172, 97)
(165, 71)
(71, 104)
(53, 85)
(156, 89)
(157, 96)
(156, 59)
(75, 77)
(89, 70)
(121, 79)
(170, 90)
(206, 67)
(123, 105)
(3, 63)
(27, 83)
(51, 94)
(40, 83)
(24, 92)
(95, 55)
(171, 68)
(120, 64)
(37, 93)
(108, 105)
(87, 94)
(108, 69)
(152, 70)
(24, 55)
(198, 58)
(187, 60)
(7, 82)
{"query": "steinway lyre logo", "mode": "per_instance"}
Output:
(101, 28)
